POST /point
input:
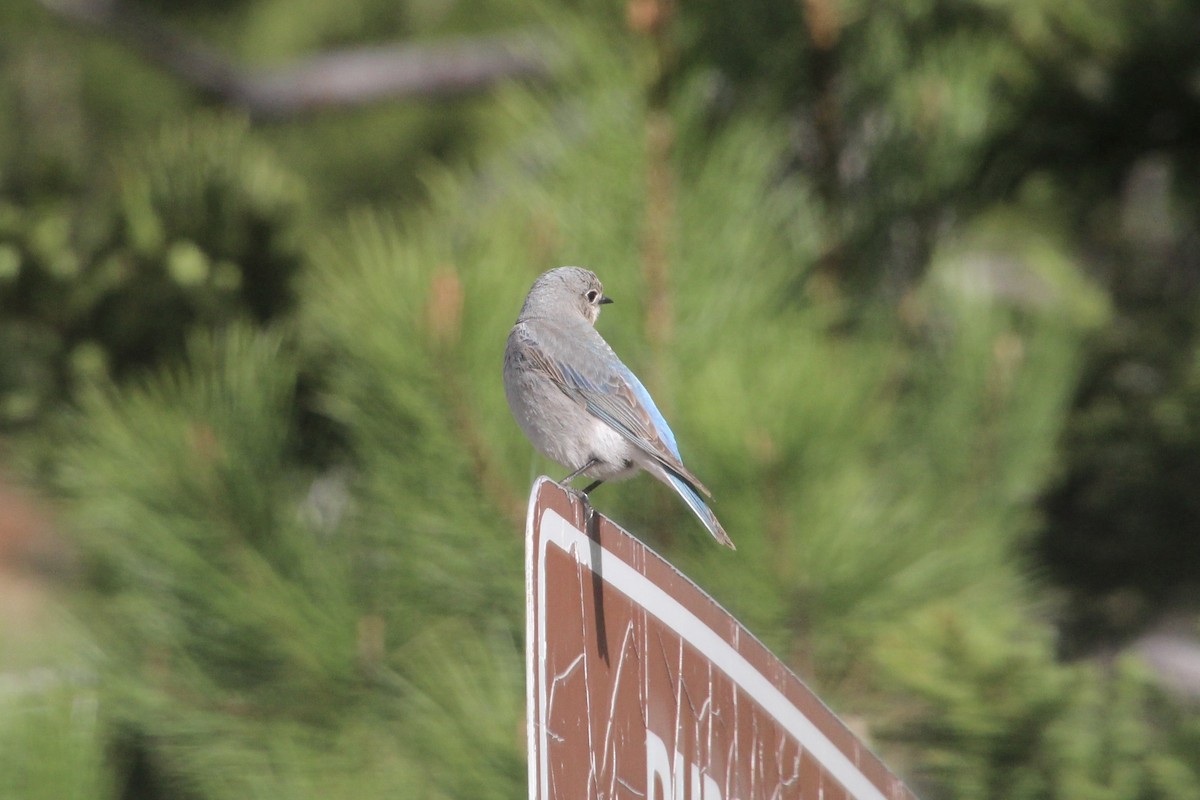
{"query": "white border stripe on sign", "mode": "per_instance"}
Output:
(532, 655)
(561, 533)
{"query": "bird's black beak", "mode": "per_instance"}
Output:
(604, 300)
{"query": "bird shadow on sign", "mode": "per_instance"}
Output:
(592, 524)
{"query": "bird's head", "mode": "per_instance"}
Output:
(566, 290)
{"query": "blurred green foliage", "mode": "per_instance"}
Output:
(53, 741)
(1001, 719)
(198, 227)
(907, 340)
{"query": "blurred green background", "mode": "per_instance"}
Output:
(916, 283)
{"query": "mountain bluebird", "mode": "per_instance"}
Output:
(578, 404)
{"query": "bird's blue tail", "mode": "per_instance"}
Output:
(697, 505)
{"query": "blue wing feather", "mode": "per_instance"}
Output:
(647, 403)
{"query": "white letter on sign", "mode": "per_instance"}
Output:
(711, 790)
(658, 768)
(662, 770)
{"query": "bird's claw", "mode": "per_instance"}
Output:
(588, 512)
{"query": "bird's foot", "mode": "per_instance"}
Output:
(581, 497)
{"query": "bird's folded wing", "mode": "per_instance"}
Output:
(616, 396)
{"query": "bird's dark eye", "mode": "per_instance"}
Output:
(592, 295)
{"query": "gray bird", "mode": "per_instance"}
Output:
(578, 404)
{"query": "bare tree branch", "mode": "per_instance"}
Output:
(334, 80)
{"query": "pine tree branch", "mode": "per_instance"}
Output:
(338, 79)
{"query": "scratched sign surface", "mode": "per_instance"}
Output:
(641, 687)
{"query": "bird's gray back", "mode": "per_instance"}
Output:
(583, 366)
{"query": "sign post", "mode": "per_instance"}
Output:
(641, 687)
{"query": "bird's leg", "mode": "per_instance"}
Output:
(589, 512)
(591, 463)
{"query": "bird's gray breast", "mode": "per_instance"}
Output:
(555, 421)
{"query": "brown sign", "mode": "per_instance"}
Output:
(641, 687)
